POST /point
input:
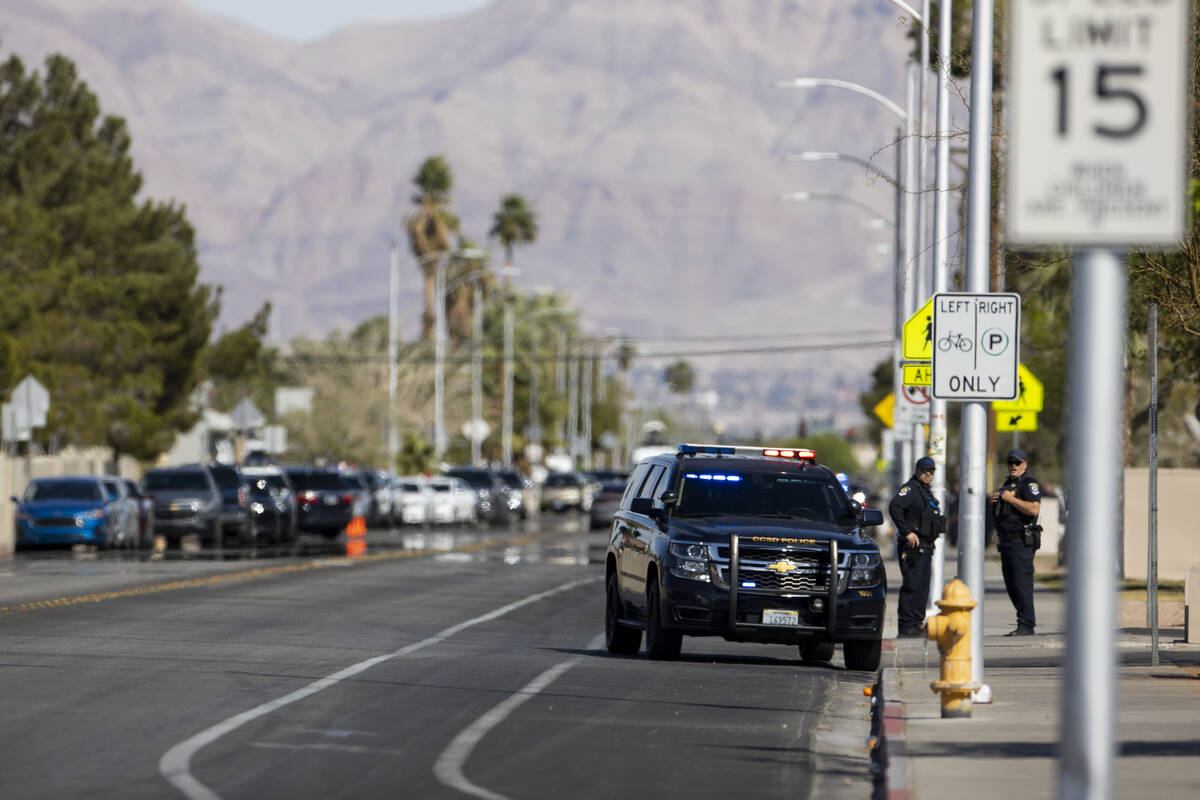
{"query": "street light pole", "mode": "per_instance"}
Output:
(477, 374)
(393, 324)
(941, 283)
(439, 357)
(507, 417)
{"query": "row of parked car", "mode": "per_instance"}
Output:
(266, 503)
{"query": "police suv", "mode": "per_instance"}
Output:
(752, 544)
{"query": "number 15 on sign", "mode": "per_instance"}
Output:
(1098, 121)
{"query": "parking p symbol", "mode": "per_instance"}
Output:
(994, 341)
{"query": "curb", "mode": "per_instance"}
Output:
(892, 736)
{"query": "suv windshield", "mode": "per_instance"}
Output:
(721, 492)
(182, 480)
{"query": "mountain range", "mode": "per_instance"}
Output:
(646, 134)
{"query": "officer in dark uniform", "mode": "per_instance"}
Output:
(1015, 507)
(919, 521)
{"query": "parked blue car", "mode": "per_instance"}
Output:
(68, 510)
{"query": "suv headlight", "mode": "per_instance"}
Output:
(690, 561)
(84, 517)
(866, 569)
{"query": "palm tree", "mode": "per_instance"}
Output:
(431, 227)
(514, 223)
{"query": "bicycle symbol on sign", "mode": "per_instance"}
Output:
(958, 340)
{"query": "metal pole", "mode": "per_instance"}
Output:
(941, 282)
(585, 437)
(922, 181)
(535, 422)
(560, 380)
(439, 356)
(506, 437)
(973, 494)
(898, 250)
(393, 323)
(911, 229)
(477, 372)
(1098, 314)
(573, 406)
(1152, 539)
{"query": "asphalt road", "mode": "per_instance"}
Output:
(456, 663)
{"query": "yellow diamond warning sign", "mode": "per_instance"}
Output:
(917, 334)
(1031, 395)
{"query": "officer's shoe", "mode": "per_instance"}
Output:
(910, 633)
(1021, 630)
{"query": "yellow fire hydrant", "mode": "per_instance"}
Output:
(952, 631)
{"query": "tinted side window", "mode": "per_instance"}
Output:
(652, 480)
(635, 483)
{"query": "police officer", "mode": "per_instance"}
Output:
(1015, 507)
(919, 521)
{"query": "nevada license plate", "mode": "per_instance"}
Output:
(331, 500)
(773, 616)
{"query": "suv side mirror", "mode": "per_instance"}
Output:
(872, 516)
(668, 498)
(645, 506)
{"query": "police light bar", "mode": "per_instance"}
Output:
(790, 452)
(711, 449)
(800, 454)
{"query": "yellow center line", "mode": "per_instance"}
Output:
(262, 572)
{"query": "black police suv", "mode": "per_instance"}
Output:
(752, 544)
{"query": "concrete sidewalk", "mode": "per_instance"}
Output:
(1009, 748)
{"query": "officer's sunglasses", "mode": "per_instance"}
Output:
(929, 470)
(1012, 462)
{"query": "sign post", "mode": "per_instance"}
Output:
(1097, 159)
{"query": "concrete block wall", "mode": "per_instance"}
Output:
(1178, 525)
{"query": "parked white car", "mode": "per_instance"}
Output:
(453, 500)
(412, 501)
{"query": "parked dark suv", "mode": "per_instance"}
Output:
(236, 517)
(749, 543)
(326, 499)
(186, 501)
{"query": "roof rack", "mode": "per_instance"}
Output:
(792, 453)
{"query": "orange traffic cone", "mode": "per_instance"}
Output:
(356, 537)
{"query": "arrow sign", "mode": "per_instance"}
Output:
(1016, 421)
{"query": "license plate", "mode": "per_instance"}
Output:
(331, 500)
(176, 506)
(772, 616)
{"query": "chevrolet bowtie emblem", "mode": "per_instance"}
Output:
(782, 567)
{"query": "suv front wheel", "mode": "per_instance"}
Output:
(661, 644)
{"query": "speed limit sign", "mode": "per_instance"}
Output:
(1098, 103)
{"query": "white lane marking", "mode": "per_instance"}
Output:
(175, 764)
(449, 766)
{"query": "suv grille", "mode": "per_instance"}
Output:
(799, 570)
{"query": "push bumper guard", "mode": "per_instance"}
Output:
(826, 556)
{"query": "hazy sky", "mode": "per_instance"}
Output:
(302, 20)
